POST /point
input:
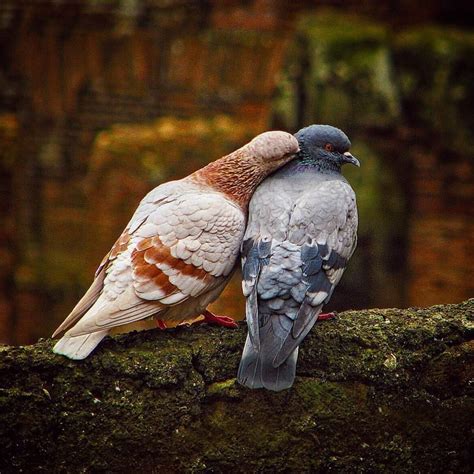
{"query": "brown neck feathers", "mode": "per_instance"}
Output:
(236, 175)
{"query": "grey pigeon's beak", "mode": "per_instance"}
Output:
(349, 158)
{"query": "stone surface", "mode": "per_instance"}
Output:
(381, 390)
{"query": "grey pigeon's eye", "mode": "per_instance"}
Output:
(329, 147)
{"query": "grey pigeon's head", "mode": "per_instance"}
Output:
(324, 146)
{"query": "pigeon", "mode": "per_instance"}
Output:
(179, 249)
(302, 231)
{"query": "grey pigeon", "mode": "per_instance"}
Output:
(302, 231)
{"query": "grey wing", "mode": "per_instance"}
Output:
(269, 216)
(324, 225)
(255, 253)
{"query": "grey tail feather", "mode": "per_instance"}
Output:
(256, 369)
(251, 311)
(309, 316)
(79, 347)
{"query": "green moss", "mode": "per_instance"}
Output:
(435, 67)
(357, 73)
(343, 68)
(329, 399)
(333, 25)
(376, 390)
(218, 388)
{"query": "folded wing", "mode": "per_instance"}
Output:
(324, 225)
(181, 243)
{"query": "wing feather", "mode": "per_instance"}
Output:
(181, 243)
(255, 254)
(332, 215)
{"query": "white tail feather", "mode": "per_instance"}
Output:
(79, 347)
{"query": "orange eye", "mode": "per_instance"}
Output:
(329, 147)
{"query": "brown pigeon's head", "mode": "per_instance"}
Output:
(325, 146)
(270, 150)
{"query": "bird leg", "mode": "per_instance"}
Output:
(211, 318)
(160, 324)
(326, 316)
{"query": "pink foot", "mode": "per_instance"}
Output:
(326, 316)
(160, 324)
(211, 318)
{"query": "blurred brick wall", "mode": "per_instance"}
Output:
(73, 68)
(441, 252)
(70, 69)
(405, 97)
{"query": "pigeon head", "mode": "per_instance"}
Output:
(324, 146)
(270, 150)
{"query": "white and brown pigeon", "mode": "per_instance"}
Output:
(302, 230)
(178, 251)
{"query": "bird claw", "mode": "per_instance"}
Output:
(327, 316)
(211, 318)
(160, 324)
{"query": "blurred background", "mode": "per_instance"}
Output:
(100, 101)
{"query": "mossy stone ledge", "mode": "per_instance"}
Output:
(380, 390)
